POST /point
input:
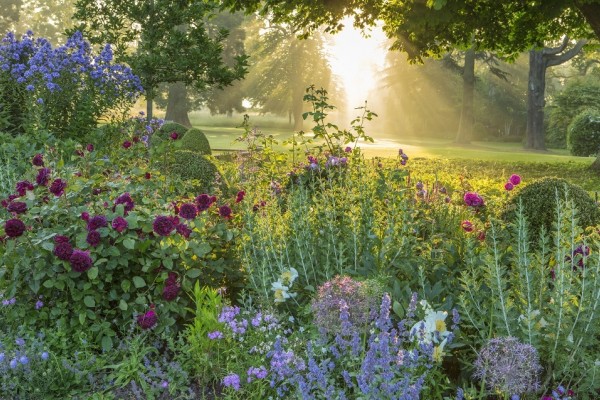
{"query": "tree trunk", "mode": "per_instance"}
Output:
(536, 87)
(591, 13)
(177, 105)
(148, 108)
(465, 126)
(297, 108)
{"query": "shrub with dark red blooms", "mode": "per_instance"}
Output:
(183, 230)
(14, 228)
(43, 177)
(225, 211)
(119, 224)
(63, 250)
(188, 211)
(98, 221)
(204, 201)
(58, 187)
(23, 187)
(240, 196)
(163, 226)
(147, 320)
(38, 160)
(61, 239)
(127, 202)
(93, 238)
(17, 207)
(170, 291)
(80, 260)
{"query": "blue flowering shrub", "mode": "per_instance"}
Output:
(65, 89)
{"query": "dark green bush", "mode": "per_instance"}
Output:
(190, 165)
(195, 140)
(584, 133)
(165, 131)
(578, 95)
(539, 204)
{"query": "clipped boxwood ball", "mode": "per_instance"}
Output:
(191, 165)
(539, 205)
(165, 131)
(195, 140)
(583, 134)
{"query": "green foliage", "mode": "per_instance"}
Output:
(544, 293)
(584, 133)
(195, 140)
(539, 204)
(190, 165)
(578, 95)
(163, 134)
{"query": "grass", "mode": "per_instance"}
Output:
(222, 132)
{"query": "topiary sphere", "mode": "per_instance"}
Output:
(539, 205)
(191, 165)
(164, 133)
(583, 134)
(195, 140)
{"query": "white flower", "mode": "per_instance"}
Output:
(288, 277)
(281, 292)
(425, 331)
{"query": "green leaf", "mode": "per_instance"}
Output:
(106, 343)
(89, 301)
(48, 246)
(193, 273)
(129, 243)
(123, 305)
(126, 285)
(82, 318)
(48, 284)
(139, 282)
(92, 273)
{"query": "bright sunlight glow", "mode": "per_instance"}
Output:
(356, 60)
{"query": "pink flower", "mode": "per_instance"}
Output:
(174, 135)
(170, 291)
(89, 147)
(225, 211)
(163, 226)
(58, 187)
(85, 216)
(147, 175)
(23, 187)
(188, 211)
(14, 228)
(472, 199)
(509, 186)
(348, 149)
(63, 250)
(126, 144)
(80, 260)
(467, 226)
(515, 179)
(43, 177)
(38, 160)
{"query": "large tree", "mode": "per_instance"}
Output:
(170, 39)
(432, 27)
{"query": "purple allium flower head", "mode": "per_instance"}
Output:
(14, 228)
(39, 304)
(170, 291)
(80, 260)
(20, 342)
(233, 381)
(204, 201)
(13, 363)
(17, 207)
(403, 162)
(508, 366)
(119, 224)
(164, 384)
(225, 212)
(348, 149)
(473, 199)
(58, 187)
(93, 238)
(96, 222)
(148, 319)
(514, 179)
(188, 211)
(63, 250)
(163, 225)
(23, 187)
(508, 186)
(215, 335)
(43, 177)
(38, 160)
